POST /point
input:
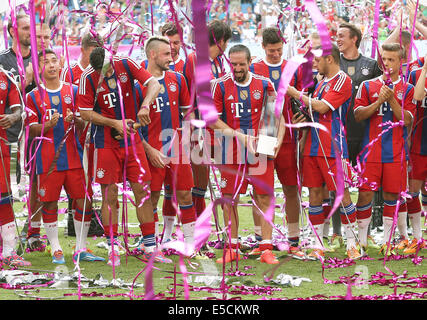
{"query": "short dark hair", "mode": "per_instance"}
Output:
(335, 53)
(96, 58)
(169, 29)
(218, 30)
(271, 35)
(394, 47)
(89, 40)
(10, 23)
(354, 32)
(47, 51)
(240, 48)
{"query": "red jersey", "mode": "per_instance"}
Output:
(416, 64)
(126, 71)
(73, 73)
(40, 111)
(9, 96)
(336, 93)
(388, 148)
(419, 128)
(165, 110)
(240, 105)
(274, 72)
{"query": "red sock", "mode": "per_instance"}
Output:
(188, 214)
(199, 202)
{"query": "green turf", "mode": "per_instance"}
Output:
(257, 288)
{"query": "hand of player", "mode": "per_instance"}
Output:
(53, 120)
(144, 116)
(118, 125)
(298, 118)
(156, 157)
(410, 5)
(425, 64)
(69, 116)
(388, 93)
(251, 144)
(29, 74)
(7, 120)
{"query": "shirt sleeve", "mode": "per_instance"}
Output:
(184, 94)
(139, 73)
(85, 95)
(14, 99)
(361, 99)
(337, 94)
(410, 104)
(33, 115)
(217, 96)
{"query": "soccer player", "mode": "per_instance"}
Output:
(359, 68)
(329, 105)
(384, 154)
(73, 72)
(418, 160)
(9, 97)
(58, 161)
(238, 97)
(219, 36)
(168, 162)
(285, 163)
(101, 105)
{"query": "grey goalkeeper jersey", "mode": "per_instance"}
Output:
(359, 70)
(8, 61)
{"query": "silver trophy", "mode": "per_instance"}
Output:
(268, 126)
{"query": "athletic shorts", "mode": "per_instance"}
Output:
(180, 173)
(50, 185)
(235, 177)
(318, 171)
(392, 177)
(286, 165)
(5, 187)
(109, 165)
(417, 168)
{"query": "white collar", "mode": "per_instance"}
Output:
(52, 90)
(246, 83)
(273, 64)
(394, 82)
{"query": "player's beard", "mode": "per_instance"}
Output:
(163, 67)
(240, 76)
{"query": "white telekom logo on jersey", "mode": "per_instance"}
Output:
(110, 99)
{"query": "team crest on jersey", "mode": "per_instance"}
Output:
(223, 183)
(399, 95)
(55, 100)
(112, 83)
(162, 89)
(67, 99)
(351, 70)
(42, 192)
(172, 87)
(244, 94)
(257, 95)
(275, 74)
(123, 77)
(3, 85)
(365, 71)
(327, 88)
(100, 173)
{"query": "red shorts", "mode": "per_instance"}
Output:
(392, 177)
(316, 172)
(261, 178)
(109, 165)
(417, 168)
(181, 172)
(50, 186)
(5, 187)
(286, 165)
